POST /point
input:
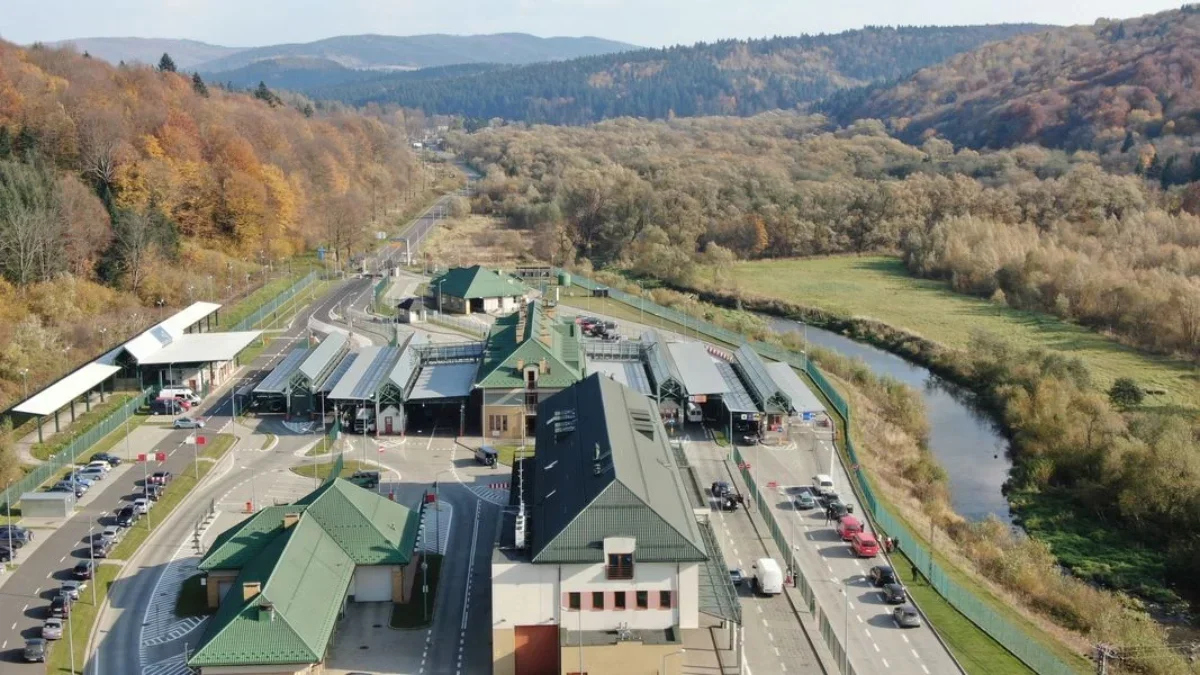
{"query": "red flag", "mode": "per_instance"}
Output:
(200, 440)
(141, 456)
(160, 456)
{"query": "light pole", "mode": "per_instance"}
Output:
(92, 558)
(437, 502)
(8, 516)
(425, 572)
(846, 625)
(680, 652)
(71, 633)
(439, 287)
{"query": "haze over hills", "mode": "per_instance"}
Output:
(1107, 87)
(186, 53)
(732, 77)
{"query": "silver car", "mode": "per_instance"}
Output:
(72, 587)
(52, 629)
(188, 423)
(907, 617)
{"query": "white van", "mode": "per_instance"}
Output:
(184, 393)
(823, 484)
(766, 577)
(694, 413)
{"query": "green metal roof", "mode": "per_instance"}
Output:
(477, 282)
(304, 575)
(604, 468)
(305, 571)
(533, 334)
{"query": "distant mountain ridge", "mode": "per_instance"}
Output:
(187, 54)
(731, 77)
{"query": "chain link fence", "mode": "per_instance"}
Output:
(67, 456)
(1013, 638)
(468, 326)
(273, 305)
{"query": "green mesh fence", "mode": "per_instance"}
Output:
(1013, 638)
(67, 456)
(270, 307)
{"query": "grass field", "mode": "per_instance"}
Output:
(84, 421)
(412, 614)
(505, 454)
(879, 287)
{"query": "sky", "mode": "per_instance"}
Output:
(650, 23)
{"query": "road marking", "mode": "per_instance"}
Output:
(905, 638)
(885, 663)
(14, 626)
(758, 607)
(782, 667)
(876, 647)
(924, 669)
(858, 617)
(38, 591)
(867, 631)
(915, 654)
(26, 606)
(765, 624)
(776, 651)
(50, 575)
(62, 559)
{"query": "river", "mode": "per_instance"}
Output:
(964, 439)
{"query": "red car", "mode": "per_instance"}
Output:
(864, 545)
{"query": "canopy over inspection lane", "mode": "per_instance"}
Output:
(60, 394)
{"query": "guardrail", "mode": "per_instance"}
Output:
(42, 472)
(1012, 638)
(271, 306)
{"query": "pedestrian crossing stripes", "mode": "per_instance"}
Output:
(174, 665)
(175, 631)
(494, 493)
(435, 525)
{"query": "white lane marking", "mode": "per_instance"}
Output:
(867, 631)
(771, 637)
(765, 624)
(782, 667)
(924, 669)
(876, 647)
(62, 558)
(14, 627)
(915, 654)
(905, 638)
(859, 618)
(776, 651)
(25, 607)
(885, 663)
(759, 608)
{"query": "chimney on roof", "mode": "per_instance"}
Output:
(520, 364)
(543, 367)
(290, 519)
(250, 590)
(266, 611)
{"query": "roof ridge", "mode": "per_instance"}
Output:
(246, 604)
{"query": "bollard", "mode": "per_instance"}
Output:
(249, 507)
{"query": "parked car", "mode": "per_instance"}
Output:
(141, 505)
(907, 617)
(92, 473)
(165, 406)
(127, 516)
(111, 534)
(82, 570)
(864, 545)
(894, 594)
(736, 576)
(99, 464)
(823, 484)
(101, 547)
(60, 606)
(14, 537)
(836, 510)
(848, 526)
(77, 489)
(52, 629)
(35, 650)
(72, 588)
(882, 575)
(365, 479)
(152, 492)
(77, 477)
(804, 499)
(188, 423)
(112, 459)
(486, 455)
(160, 477)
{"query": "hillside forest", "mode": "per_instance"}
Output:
(731, 77)
(125, 191)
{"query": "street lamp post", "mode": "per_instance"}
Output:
(8, 516)
(439, 287)
(92, 558)
(437, 502)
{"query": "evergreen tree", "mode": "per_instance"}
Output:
(6, 142)
(307, 110)
(198, 85)
(262, 93)
(1126, 393)
(166, 64)
(25, 146)
(1128, 144)
(86, 55)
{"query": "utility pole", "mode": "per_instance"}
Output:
(1103, 654)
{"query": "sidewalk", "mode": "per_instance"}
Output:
(26, 443)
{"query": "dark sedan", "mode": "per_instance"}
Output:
(894, 594)
(882, 575)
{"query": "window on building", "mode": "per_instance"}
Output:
(498, 422)
(620, 566)
(597, 599)
(643, 600)
(573, 600)
(664, 599)
(619, 600)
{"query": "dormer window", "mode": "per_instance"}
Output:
(620, 566)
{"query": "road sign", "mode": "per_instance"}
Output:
(744, 466)
(200, 440)
(160, 456)
(771, 485)
(141, 456)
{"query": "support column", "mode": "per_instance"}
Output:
(87, 401)
(72, 411)
(56, 426)
(41, 421)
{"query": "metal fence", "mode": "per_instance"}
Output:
(78, 445)
(273, 305)
(468, 326)
(1013, 638)
(381, 288)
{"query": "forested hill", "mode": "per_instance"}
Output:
(732, 77)
(1110, 87)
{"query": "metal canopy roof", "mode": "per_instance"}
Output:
(167, 331)
(718, 597)
(695, 366)
(276, 382)
(736, 399)
(202, 348)
(760, 383)
(70, 387)
(632, 374)
(339, 372)
(322, 356)
(444, 380)
(409, 361)
(803, 399)
(369, 370)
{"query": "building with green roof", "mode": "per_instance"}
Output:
(608, 551)
(466, 290)
(280, 579)
(528, 355)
